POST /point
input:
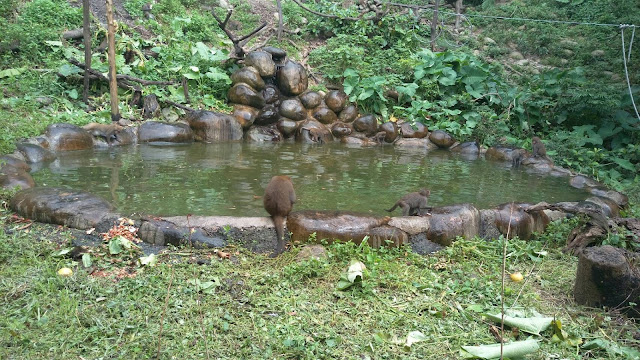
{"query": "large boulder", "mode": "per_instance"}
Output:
(358, 141)
(468, 148)
(390, 130)
(348, 114)
(33, 153)
(250, 76)
(415, 130)
(387, 235)
(367, 124)
(244, 94)
(332, 225)
(336, 100)
(261, 61)
(311, 99)
(263, 134)
(449, 222)
(581, 181)
(267, 115)
(245, 115)
(271, 95)
(505, 153)
(619, 198)
(12, 177)
(292, 79)
(71, 208)
(325, 115)
(512, 219)
(293, 109)
(423, 144)
(212, 126)
(9, 160)
(68, 137)
(441, 138)
(151, 131)
(287, 127)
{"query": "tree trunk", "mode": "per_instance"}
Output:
(113, 83)
(86, 31)
(434, 24)
(279, 3)
(458, 11)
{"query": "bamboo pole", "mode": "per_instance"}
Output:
(113, 84)
(86, 32)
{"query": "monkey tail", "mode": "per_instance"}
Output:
(393, 208)
(278, 221)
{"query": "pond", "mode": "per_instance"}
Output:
(229, 178)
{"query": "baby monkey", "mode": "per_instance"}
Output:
(414, 203)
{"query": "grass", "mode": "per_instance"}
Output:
(261, 308)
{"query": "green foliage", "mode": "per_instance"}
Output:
(38, 21)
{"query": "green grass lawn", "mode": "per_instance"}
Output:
(254, 307)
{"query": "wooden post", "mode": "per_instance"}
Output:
(113, 83)
(458, 12)
(86, 32)
(434, 22)
(279, 3)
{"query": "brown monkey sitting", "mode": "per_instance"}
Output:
(414, 203)
(538, 147)
(279, 198)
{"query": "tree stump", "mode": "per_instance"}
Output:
(606, 277)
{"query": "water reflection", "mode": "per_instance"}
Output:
(228, 179)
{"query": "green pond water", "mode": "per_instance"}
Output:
(229, 178)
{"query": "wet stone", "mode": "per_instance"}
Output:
(8, 160)
(250, 76)
(68, 137)
(416, 143)
(325, 115)
(212, 126)
(471, 148)
(292, 79)
(245, 95)
(267, 115)
(504, 153)
(348, 114)
(277, 54)
(332, 225)
(367, 124)
(311, 99)
(262, 61)
(287, 126)
(11, 177)
(336, 100)
(263, 134)
(415, 130)
(71, 208)
(293, 109)
(271, 95)
(245, 115)
(441, 138)
(35, 153)
(449, 222)
(151, 131)
(390, 130)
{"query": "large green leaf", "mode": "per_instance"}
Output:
(515, 349)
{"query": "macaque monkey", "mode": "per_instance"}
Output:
(538, 147)
(279, 198)
(315, 135)
(517, 157)
(414, 203)
(108, 132)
